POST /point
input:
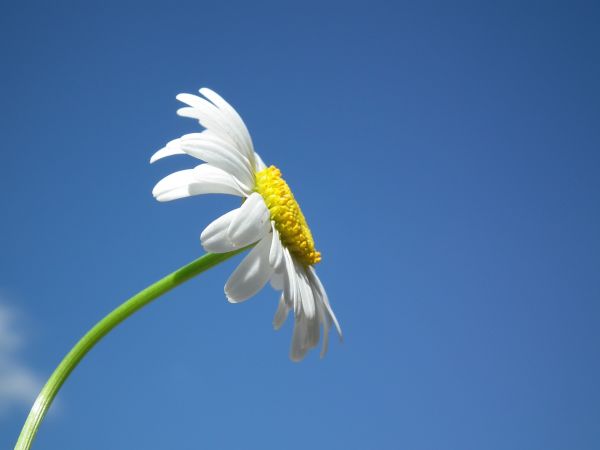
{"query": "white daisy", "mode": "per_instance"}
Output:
(269, 217)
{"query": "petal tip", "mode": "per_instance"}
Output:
(231, 297)
(160, 198)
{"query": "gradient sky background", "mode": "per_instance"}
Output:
(446, 155)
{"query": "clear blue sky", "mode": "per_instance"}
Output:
(447, 156)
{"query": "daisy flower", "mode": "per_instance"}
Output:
(284, 252)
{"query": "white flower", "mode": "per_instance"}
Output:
(269, 217)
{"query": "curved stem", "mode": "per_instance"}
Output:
(101, 329)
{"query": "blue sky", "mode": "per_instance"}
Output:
(446, 156)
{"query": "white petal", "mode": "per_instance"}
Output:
(305, 336)
(210, 136)
(325, 346)
(277, 280)
(281, 314)
(219, 181)
(207, 117)
(277, 261)
(221, 155)
(203, 179)
(218, 121)
(290, 282)
(207, 114)
(318, 286)
(276, 254)
(172, 148)
(298, 349)
(251, 275)
(234, 118)
(260, 164)
(214, 237)
(313, 333)
(209, 147)
(174, 186)
(323, 318)
(193, 113)
(252, 222)
(306, 295)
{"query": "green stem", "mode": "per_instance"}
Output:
(101, 329)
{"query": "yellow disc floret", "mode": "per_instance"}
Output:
(287, 215)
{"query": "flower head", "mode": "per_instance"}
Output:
(284, 250)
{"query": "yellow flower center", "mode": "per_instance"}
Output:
(287, 215)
